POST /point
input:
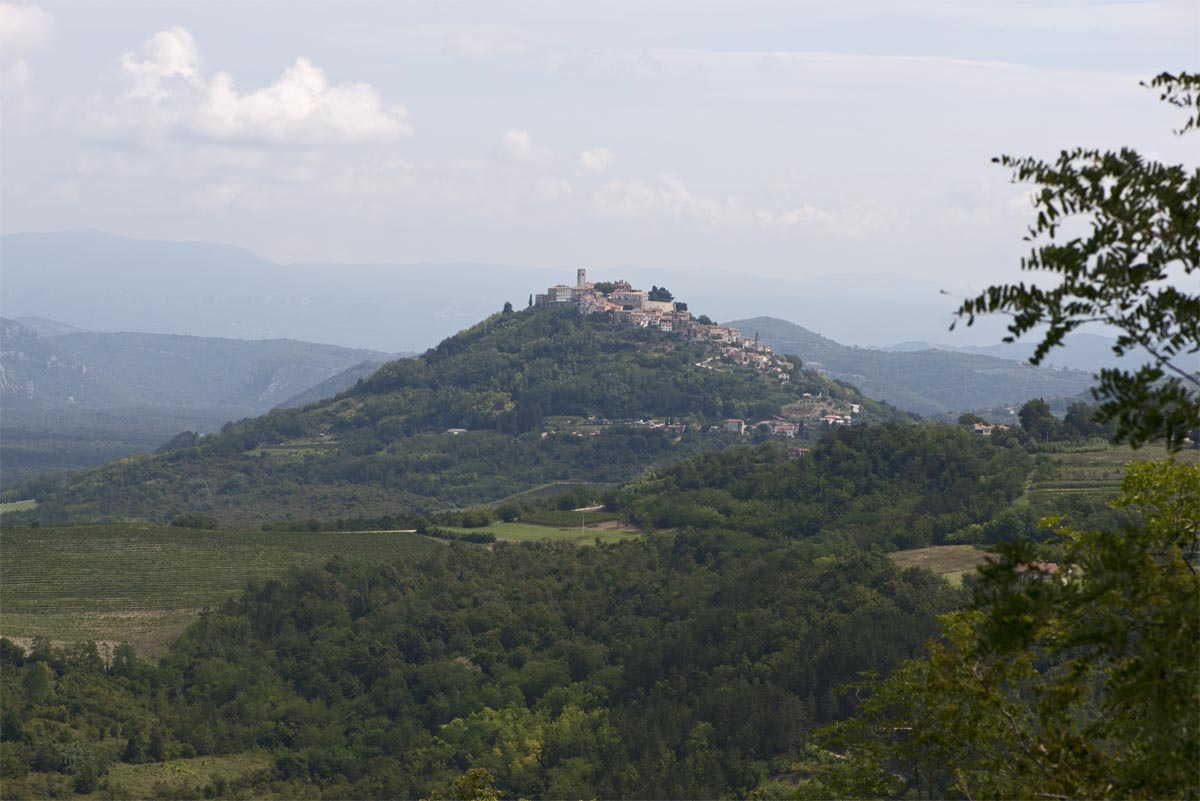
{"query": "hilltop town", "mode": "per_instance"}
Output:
(659, 310)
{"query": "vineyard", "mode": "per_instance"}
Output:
(144, 584)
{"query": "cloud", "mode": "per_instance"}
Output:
(799, 216)
(24, 30)
(670, 197)
(517, 146)
(597, 159)
(168, 94)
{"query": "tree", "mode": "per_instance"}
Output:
(1074, 671)
(969, 419)
(1037, 420)
(1127, 273)
(1079, 682)
(659, 293)
(508, 308)
(38, 682)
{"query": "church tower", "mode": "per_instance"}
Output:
(581, 279)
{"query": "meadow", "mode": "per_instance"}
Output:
(144, 584)
(952, 562)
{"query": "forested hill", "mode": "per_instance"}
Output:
(537, 396)
(923, 381)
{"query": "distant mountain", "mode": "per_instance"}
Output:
(103, 282)
(928, 382)
(1080, 351)
(178, 372)
(45, 327)
(333, 385)
(510, 404)
(76, 399)
(97, 370)
(39, 373)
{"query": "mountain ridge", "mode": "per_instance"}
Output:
(930, 382)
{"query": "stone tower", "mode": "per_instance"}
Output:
(581, 278)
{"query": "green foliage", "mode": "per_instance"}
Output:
(193, 521)
(671, 667)
(1037, 421)
(1075, 683)
(659, 293)
(881, 486)
(1143, 238)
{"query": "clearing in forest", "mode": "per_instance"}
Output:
(144, 584)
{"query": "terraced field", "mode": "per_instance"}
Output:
(1093, 472)
(143, 584)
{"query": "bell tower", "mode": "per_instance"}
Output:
(581, 279)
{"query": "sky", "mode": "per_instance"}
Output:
(795, 139)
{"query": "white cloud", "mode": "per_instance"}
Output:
(518, 146)
(799, 216)
(635, 199)
(24, 30)
(167, 93)
(598, 159)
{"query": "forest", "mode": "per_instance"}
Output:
(676, 666)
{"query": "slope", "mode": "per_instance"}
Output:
(535, 396)
(925, 381)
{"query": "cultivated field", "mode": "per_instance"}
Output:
(531, 532)
(144, 584)
(951, 561)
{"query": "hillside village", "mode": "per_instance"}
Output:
(659, 310)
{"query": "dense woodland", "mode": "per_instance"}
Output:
(670, 667)
(687, 664)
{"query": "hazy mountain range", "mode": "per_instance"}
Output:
(103, 282)
(927, 381)
(74, 398)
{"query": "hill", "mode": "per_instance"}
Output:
(514, 402)
(333, 385)
(1079, 351)
(76, 398)
(928, 382)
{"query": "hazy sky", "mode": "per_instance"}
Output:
(796, 138)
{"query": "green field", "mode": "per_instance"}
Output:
(951, 561)
(17, 506)
(144, 584)
(188, 777)
(531, 532)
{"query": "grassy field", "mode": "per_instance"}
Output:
(531, 532)
(951, 561)
(143, 584)
(17, 506)
(190, 776)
